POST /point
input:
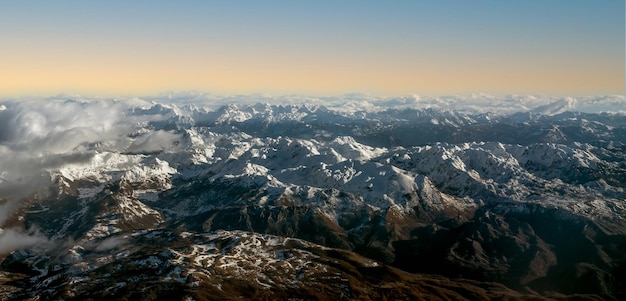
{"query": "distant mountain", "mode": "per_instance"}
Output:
(106, 199)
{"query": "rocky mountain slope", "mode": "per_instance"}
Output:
(224, 265)
(313, 201)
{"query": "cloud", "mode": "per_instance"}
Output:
(154, 142)
(14, 239)
(557, 107)
(14, 192)
(110, 243)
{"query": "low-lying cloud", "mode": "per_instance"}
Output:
(14, 239)
(153, 142)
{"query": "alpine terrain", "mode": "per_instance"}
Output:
(195, 197)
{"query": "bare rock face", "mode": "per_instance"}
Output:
(308, 202)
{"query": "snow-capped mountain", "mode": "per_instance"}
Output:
(530, 194)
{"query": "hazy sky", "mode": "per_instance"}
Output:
(430, 47)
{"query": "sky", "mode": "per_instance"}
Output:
(426, 47)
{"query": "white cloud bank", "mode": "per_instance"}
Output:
(474, 103)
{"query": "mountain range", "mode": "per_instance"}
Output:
(193, 198)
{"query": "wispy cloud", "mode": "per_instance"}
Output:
(12, 239)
